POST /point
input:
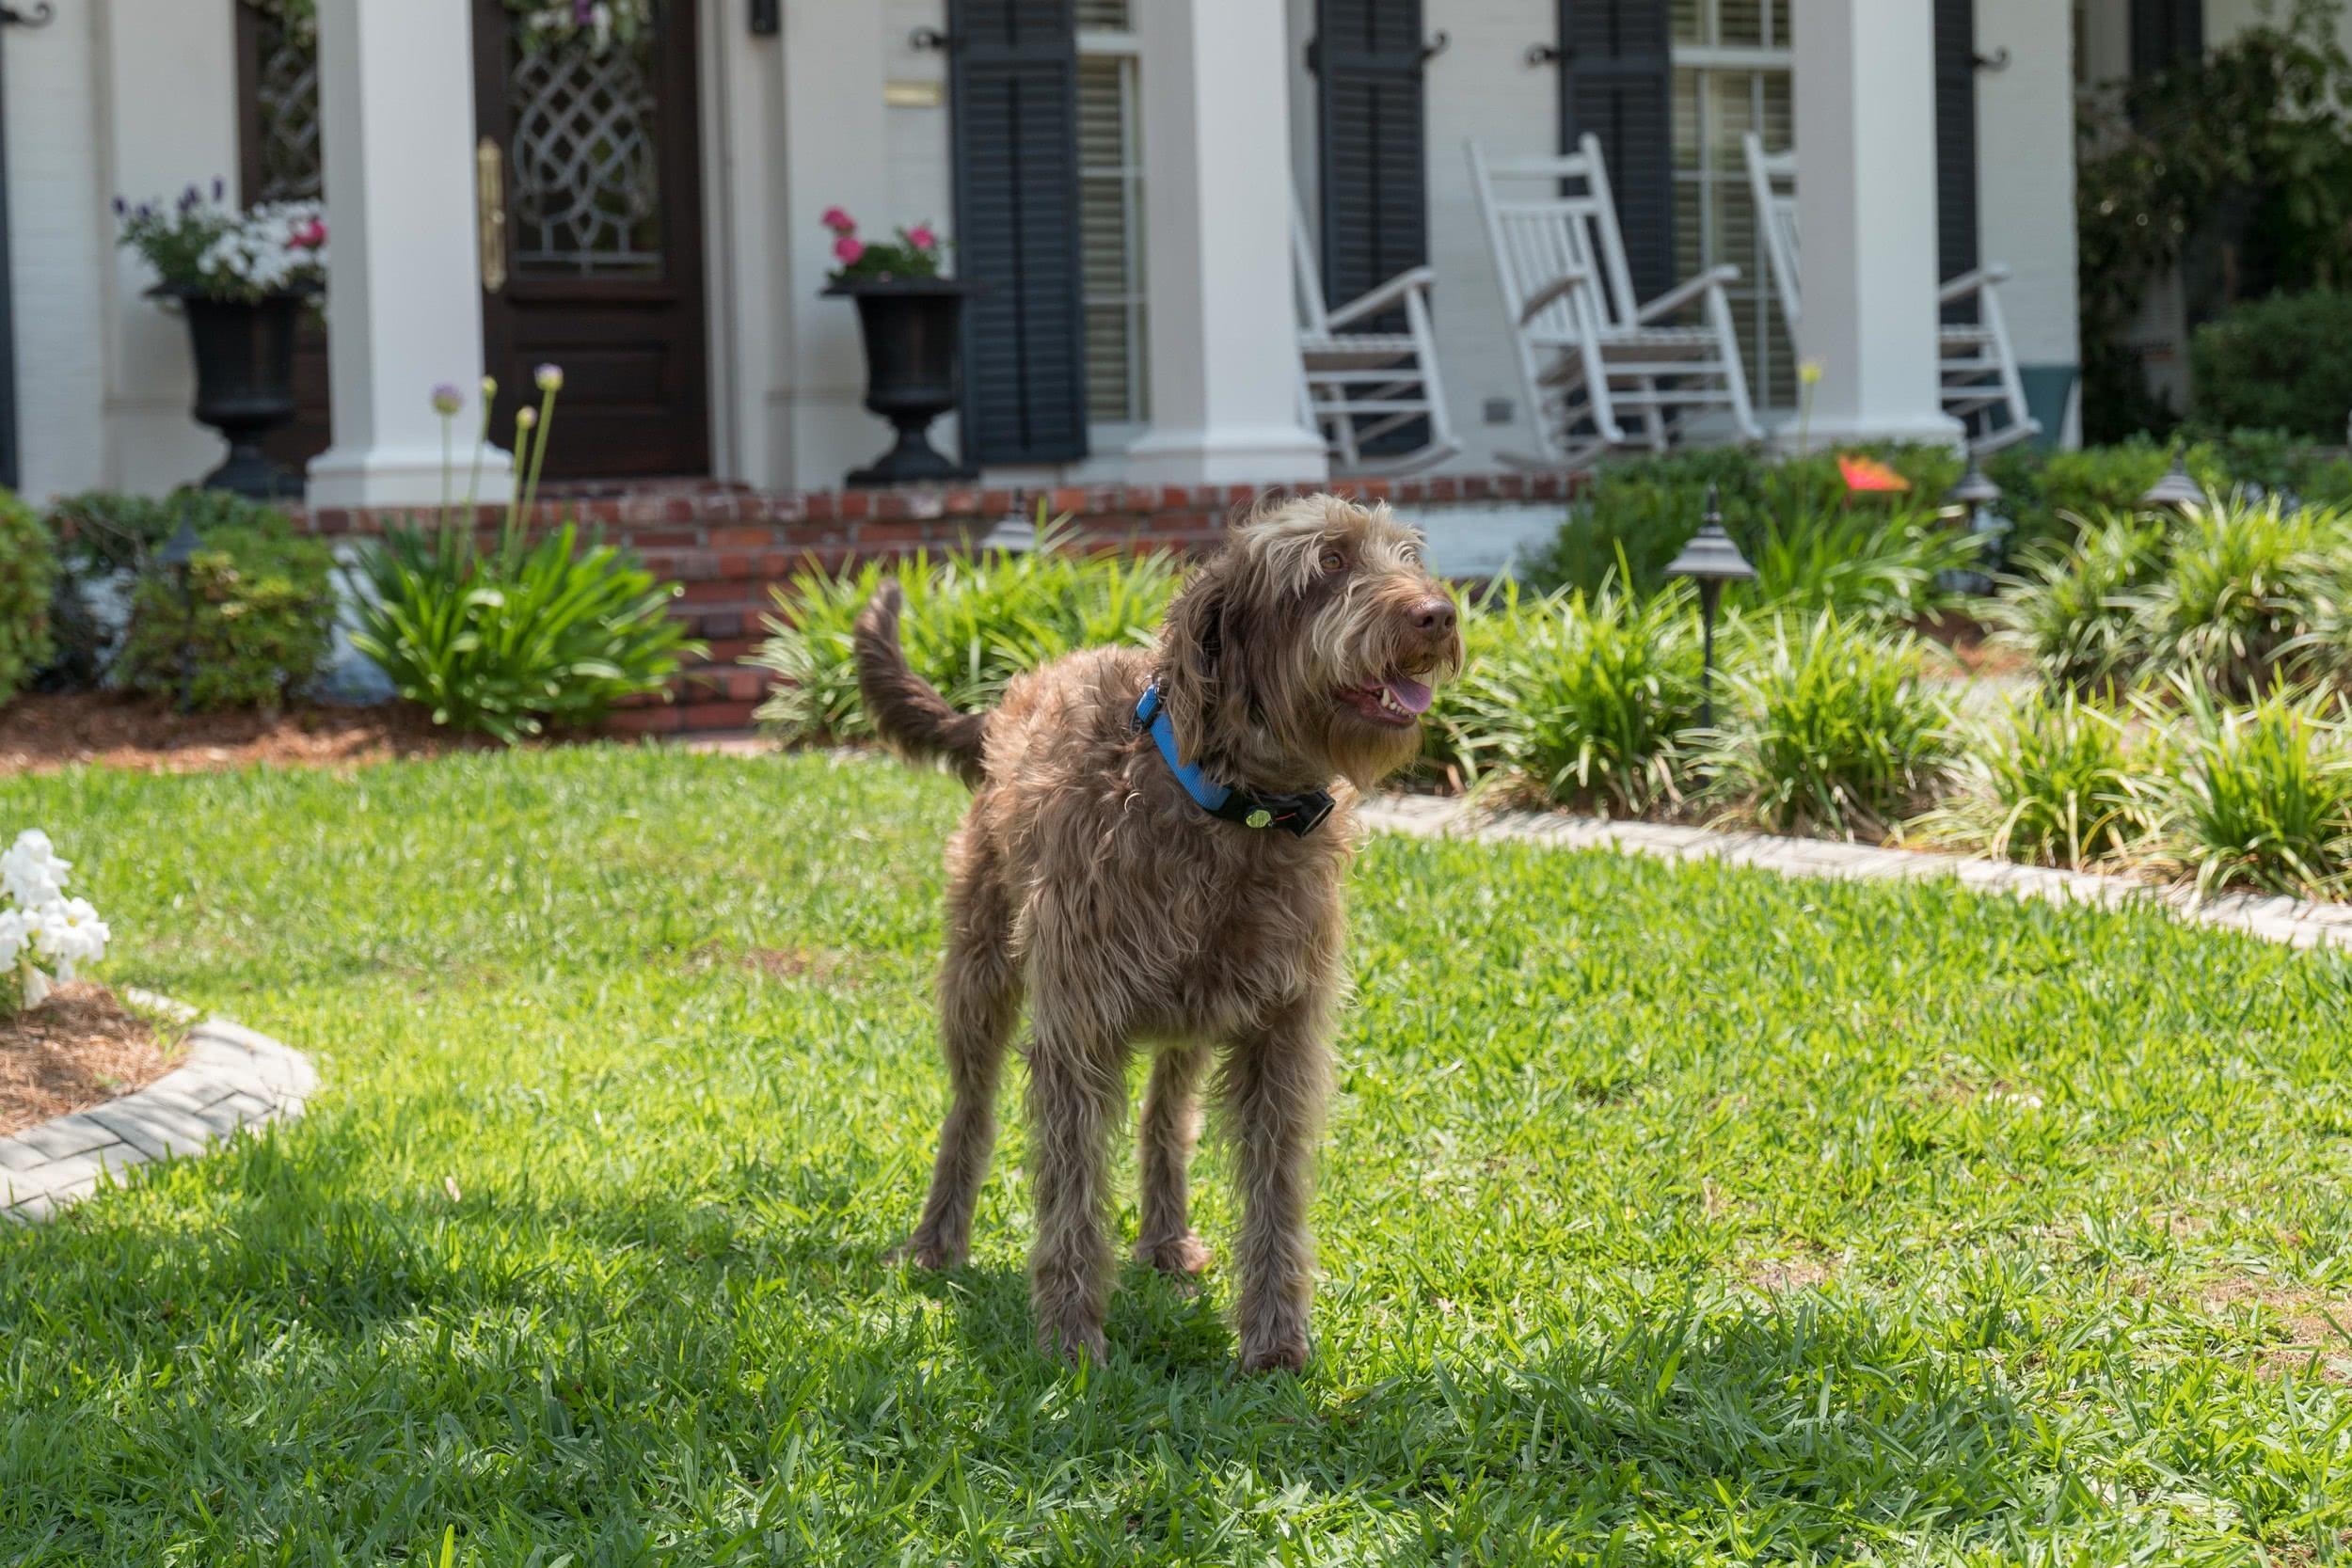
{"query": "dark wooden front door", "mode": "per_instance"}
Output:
(598, 267)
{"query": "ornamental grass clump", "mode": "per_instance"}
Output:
(2262, 795)
(2074, 609)
(41, 923)
(1591, 697)
(2244, 583)
(525, 635)
(1460, 743)
(974, 620)
(2051, 780)
(1827, 728)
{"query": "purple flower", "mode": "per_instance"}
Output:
(122, 208)
(189, 198)
(581, 10)
(220, 188)
(447, 399)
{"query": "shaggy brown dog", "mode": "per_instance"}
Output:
(1088, 877)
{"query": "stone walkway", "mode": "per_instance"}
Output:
(2294, 922)
(232, 1079)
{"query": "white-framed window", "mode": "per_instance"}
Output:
(1110, 219)
(1733, 74)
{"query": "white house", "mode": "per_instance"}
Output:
(1120, 173)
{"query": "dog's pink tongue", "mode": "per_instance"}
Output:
(1410, 695)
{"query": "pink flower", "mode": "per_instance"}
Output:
(308, 236)
(921, 237)
(848, 248)
(839, 221)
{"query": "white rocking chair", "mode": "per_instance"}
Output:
(1600, 368)
(1357, 387)
(1977, 367)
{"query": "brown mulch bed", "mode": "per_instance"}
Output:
(41, 733)
(80, 1047)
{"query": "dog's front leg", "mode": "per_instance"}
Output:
(1276, 1080)
(1076, 1090)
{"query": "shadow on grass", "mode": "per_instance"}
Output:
(644, 1326)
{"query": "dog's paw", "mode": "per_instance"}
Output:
(926, 1252)
(1076, 1343)
(1182, 1255)
(1281, 1351)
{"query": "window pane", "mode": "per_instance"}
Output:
(1107, 15)
(1690, 22)
(1742, 24)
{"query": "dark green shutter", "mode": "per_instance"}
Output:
(1013, 88)
(1616, 81)
(2164, 31)
(1955, 137)
(1375, 207)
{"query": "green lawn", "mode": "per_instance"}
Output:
(1670, 1214)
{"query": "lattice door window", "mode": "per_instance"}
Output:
(284, 163)
(584, 158)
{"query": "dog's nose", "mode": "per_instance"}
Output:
(1434, 617)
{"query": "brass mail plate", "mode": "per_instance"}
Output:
(914, 95)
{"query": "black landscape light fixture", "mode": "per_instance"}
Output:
(1977, 500)
(2176, 489)
(178, 557)
(1710, 560)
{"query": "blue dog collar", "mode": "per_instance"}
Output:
(1299, 814)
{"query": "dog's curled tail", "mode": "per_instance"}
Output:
(907, 712)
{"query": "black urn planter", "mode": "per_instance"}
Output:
(244, 380)
(914, 332)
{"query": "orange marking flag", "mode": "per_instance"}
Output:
(1869, 476)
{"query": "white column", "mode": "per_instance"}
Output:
(1865, 217)
(404, 309)
(1216, 209)
(836, 153)
(167, 120)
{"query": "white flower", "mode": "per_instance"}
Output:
(30, 872)
(16, 934)
(69, 932)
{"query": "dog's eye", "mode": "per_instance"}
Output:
(1334, 560)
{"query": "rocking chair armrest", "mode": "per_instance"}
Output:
(1386, 297)
(1971, 283)
(1552, 293)
(1685, 294)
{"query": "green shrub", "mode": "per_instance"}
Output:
(2277, 364)
(28, 578)
(1459, 742)
(2051, 496)
(520, 638)
(258, 616)
(2243, 584)
(973, 622)
(2073, 609)
(2052, 781)
(107, 529)
(1829, 728)
(2261, 796)
(1865, 562)
(1641, 511)
(1591, 697)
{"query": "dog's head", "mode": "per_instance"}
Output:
(1307, 647)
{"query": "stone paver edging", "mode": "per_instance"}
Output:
(232, 1079)
(2294, 922)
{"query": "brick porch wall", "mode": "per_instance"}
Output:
(729, 547)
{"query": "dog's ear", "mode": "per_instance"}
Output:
(1202, 672)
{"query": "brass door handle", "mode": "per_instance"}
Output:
(489, 166)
